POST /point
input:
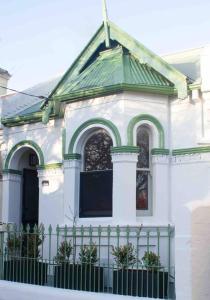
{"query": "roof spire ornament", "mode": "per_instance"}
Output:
(106, 25)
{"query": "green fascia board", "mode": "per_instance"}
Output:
(50, 166)
(160, 151)
(138, 50)
(81, 60)
(119, 88)
(148, 57)
(194, 86)
(12, 171)
(187, 151)
(22, 120)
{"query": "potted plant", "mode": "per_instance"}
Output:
(83, 275)
(124, 275)
(23, 262)
(92, 276)
(155, 279)
(64, 269)
(143, 279)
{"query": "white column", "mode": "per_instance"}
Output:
(161, 189)
(72, 170)
(12, 196)
(51, 196)
(124, 188)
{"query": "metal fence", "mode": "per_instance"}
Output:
(136, 261)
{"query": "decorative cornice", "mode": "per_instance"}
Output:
(191, 158)
(160, 151)
(145, 117)
(125, 149)
(11, 171)
(50, 166)
(188, 151)
(72, 156)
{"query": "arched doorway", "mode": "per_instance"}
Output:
(96, 176)
(25, 160)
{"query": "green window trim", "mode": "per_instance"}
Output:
(12, 171)
(153, 120)
(72, 156)
(96, 121)
(125, 149)
(28, 143)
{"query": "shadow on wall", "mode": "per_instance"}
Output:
(200, 223)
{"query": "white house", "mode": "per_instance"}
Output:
(4, 77)
(122, 138)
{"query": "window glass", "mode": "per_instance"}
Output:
(143, 169)
(97, 152)
(96, 180)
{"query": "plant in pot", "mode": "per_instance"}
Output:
(83, 275)
(124, 274)
(92, 275)
(64, 269)
(24, 262)
(155, 279)
(143, 279)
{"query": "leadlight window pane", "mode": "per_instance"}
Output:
(142, 190)
(143, 143)
(97, 152)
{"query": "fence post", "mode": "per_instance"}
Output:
(2, 230)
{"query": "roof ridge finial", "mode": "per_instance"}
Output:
(106, 26)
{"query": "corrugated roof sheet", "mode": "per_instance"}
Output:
(113, 67)
(18, 104)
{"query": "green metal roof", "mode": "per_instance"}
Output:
(30, 110)
(114, 67)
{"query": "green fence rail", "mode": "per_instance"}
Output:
(136, 261)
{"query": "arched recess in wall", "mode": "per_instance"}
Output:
(147, 118)
(29, 144)
(98, 122)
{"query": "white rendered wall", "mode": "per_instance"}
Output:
(120, 109)
(190, 213)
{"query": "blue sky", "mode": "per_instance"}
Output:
(41, 38)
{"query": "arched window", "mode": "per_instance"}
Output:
(143, 174)
(97, 155)
(96, 177)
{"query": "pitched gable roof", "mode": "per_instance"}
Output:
(113, 70)
(137, 50)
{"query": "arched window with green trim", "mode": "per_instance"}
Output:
(143, 171)
(96, 176)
